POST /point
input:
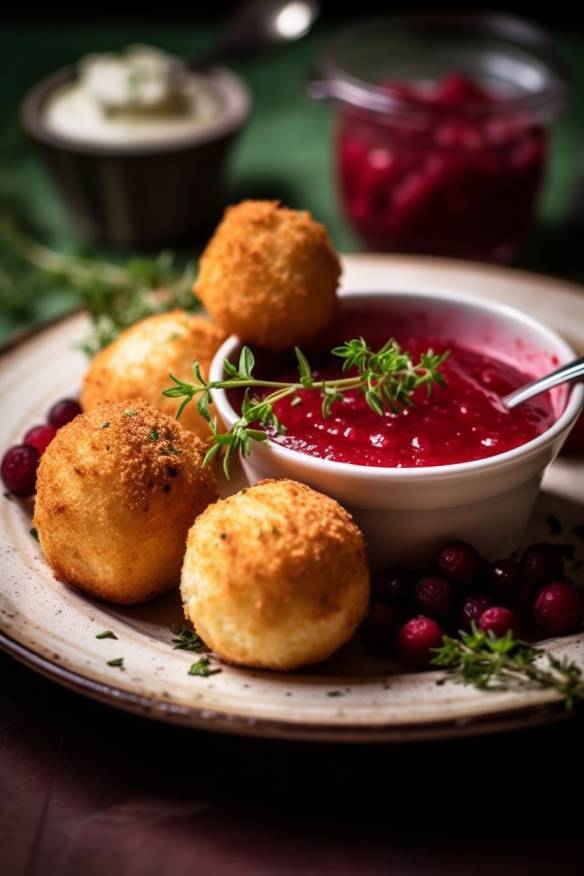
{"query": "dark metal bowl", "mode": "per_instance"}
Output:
(148, 194)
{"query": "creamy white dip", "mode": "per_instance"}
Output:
(138, 96)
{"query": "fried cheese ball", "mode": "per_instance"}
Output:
(275, 576)
(269, 275)
(117, 490)
(138, 362)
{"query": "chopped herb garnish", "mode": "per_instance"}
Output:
(554, 524)
(387, 378)
(334, 693)
(171, 450)
(491, 663)
(130, 412)
(118, 662)
(105, 425)
(35, 534)
(186, 640)
(202, 668)
(107, 634)
(154, 436)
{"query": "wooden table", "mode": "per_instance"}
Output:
(89, 791)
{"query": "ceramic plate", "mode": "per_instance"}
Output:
(352, 697)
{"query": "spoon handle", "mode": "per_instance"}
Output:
(568, 373)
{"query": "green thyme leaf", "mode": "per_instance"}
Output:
(118, 662)
(303, 368)
(186, 640)
(35, 533)
(107, 634)
(203, 669)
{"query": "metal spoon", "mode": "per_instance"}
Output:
(569, 373)
(259, 24)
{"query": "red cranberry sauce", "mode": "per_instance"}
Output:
(462, 421)
(455, 176)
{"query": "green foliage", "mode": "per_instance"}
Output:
(498, 663)
(115, 296)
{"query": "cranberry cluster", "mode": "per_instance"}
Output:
(530, 596)
(458, 176)
(19, 463)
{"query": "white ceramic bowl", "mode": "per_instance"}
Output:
(406, 513)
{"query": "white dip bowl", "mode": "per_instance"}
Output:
(406, 513)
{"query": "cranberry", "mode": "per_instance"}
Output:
(380, 627)
(393, 585)
(504, 579)
(434, 598)
(575, 440)
(63, 412)
(540, 563)
(558, 608)
(459, 562)
(416, 640)
(472, 610)
(497, 620)
(455, 89)
(18, 470)
(40, 437)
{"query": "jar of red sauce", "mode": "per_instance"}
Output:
(442, 130)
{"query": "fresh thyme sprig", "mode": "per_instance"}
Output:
(32, 275)
(387, 378)
(490, 663)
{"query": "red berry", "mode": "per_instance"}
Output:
(380, 627)
(575, 441)
(540, 563)
(18, 470)
(434, 598)
(558, 609)
(497, 620)
(40, 437)
(63, 412)
(416, 640)
(459, 562)
(505, 579)
(472, 609)
(392, 585)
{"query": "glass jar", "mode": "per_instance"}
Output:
(441, 136)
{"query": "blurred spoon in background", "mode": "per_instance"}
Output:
(258, 25)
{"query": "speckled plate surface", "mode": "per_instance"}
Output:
(52, 628)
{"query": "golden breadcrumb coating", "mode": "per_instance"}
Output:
(269, 275)
(117, 490)
(138, 362)
(275, 576)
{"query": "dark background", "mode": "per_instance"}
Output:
(89, 791)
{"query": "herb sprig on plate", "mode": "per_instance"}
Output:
(490, 663)
(114, 295)
(388, 379)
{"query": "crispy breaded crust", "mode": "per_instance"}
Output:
(138, 362)
(275, 576)
(269, 275)
(117, 490)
